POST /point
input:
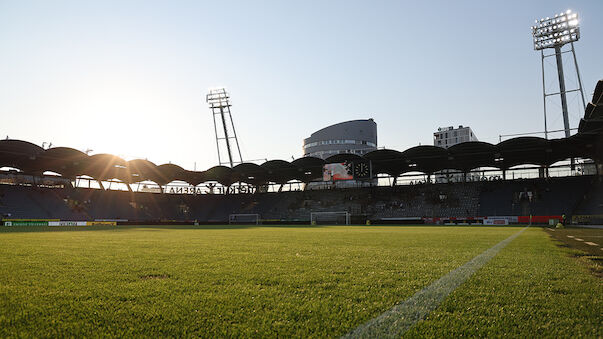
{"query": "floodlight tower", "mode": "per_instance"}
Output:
(554, 33)
(219, 104)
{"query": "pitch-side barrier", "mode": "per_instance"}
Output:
(54, 222)
(355, 220)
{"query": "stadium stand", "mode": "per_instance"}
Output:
(555, 196)
(28, 193)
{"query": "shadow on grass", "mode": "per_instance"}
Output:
(17, 229)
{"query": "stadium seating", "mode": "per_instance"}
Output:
(554, 196)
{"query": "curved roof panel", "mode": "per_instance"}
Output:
(308, 162)
(192, 177)
(343, 157)
(141, 170)
(20, 154)
(524, 150)
(280, 171)
(583, 146)
(427, 159)
(106, 166)
(387, 161)
(308, 168)
(167, 173)
(250, 173)
(66, 161)
(222, 174)
(470, 155)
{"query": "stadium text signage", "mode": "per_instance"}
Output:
(242, 189)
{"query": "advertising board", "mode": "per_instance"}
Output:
(99, 223)
(26, 223)
(496, 221)
(67, 223)
(337, 171)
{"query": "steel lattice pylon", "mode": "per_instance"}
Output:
(226, 136)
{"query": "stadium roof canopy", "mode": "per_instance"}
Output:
(469, 155)
(167, 173)
(592, 123)
(250, 173)
(20, 154)
(426, 159)
(222, 174)
(387, 161)
(69, 162)
(308, 168)
(280, 171)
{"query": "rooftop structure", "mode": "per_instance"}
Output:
(450, 136)
(355, 137)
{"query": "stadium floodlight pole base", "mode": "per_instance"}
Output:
(240, 218)
(330, 217)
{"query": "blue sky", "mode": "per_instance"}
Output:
(130, 77)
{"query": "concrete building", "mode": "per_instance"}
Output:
(355, 136)
(448, 136)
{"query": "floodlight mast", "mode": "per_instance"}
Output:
(554, 33)
(218, 100)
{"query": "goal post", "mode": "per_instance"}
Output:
(253, 219)
(332, 218)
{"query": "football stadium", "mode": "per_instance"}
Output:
(308, 190)
(459, 238)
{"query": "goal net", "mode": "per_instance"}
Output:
(253, 219)
(330, 218)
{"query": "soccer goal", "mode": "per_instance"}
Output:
(253, 219)
(332, 218)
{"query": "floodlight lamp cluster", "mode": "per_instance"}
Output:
(556, 31)
(217, 95)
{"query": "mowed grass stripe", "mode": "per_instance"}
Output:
(532, 288)
(307, 282)
(397, 320)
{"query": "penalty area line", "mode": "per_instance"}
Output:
(400, 318)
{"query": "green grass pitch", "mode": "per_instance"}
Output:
(285, 281)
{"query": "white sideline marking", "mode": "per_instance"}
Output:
(400, 318)
(578, 239)
(569, 236)
(591, 243)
